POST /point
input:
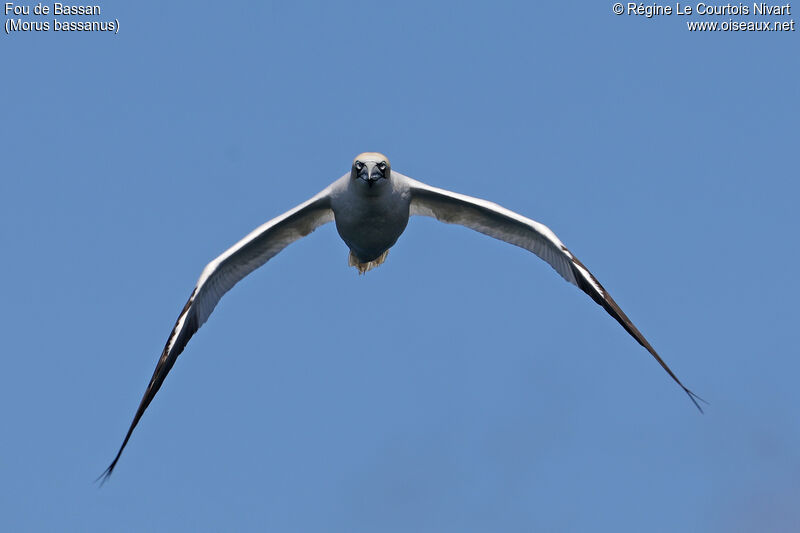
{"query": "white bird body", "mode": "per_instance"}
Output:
(371, 207)
(370, 219)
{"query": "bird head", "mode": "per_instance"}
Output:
(372, 168)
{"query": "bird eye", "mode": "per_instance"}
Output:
(359, 165)
(382, 165)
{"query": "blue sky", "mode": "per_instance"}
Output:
(462, 386)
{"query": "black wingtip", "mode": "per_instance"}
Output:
(102, 478)
(695, 399)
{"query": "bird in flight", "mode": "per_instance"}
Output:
(371, 206)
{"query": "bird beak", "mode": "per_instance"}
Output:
(371, 175)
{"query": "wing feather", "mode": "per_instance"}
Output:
(506, 225)
(219, 276)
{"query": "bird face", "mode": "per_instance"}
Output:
(372, 168)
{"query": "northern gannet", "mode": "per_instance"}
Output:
(371, 206)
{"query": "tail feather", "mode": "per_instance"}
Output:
(362, 267)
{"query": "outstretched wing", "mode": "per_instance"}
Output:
(220, 275)
(501, 223)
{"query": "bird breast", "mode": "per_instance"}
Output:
(371, 225)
